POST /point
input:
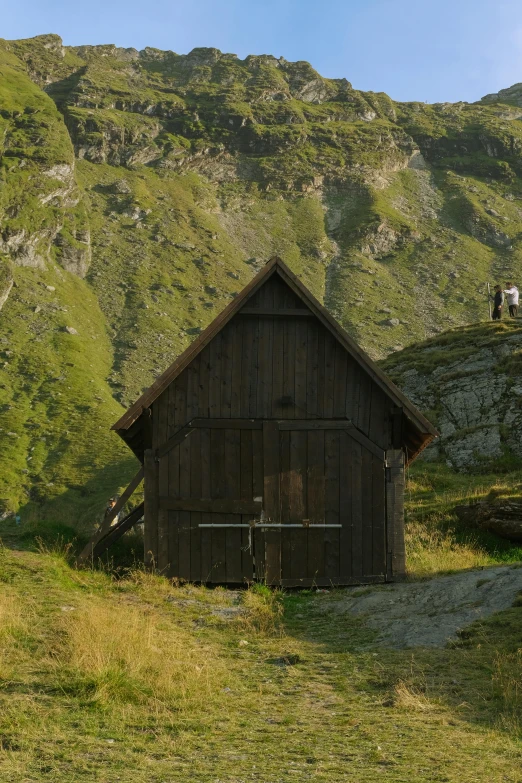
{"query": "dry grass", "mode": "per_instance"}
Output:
(410, 697)
(431, 549)
(132, 653)
(436, 541)
(138, 680)
(263, 611)
(15, 624)
(507, 688)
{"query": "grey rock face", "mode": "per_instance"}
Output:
(75, 258)
(431, 613)
(23, 249)
(121, 186)
(6, 284)
(477, 406)
(463, 452)
(379, 241)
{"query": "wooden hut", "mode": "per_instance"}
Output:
(274, 449)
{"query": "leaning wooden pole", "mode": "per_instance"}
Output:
(88, 551)
(117, 530)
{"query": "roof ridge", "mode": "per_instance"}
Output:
(275, 263)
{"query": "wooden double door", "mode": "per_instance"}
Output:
(287, 502)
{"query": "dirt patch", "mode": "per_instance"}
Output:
(431, 613)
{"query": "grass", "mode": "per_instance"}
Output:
(105, 679)
(436, 540)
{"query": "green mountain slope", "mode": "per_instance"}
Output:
(139, 191)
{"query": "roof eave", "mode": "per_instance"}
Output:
(161, 383)
(421, 424)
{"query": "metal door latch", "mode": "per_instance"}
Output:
(267, 525)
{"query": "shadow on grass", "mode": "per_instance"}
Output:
(476, 679)
(66, 522)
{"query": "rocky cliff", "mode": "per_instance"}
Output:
(139, 191)
(469, 382)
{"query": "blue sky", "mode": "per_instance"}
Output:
(412, 49)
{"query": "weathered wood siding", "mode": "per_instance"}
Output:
(283, 368)
(272, 367)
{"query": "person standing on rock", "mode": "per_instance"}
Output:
(511, 292)
(498, 301)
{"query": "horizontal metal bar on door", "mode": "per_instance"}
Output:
(263, 525)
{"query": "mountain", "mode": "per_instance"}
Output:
(139, 192)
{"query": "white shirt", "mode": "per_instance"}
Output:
(512, 295)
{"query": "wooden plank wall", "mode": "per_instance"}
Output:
(222, 464)
(270, 367)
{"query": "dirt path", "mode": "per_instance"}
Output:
(429, 614)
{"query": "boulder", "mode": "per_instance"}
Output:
(502, 516)
(121, 186)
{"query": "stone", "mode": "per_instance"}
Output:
(390, 322)
(70, 330)
(5, 291)
(50, 288)
(430, 612)
(37, 309)
(75, 258)
(502, 516)
(471, 448)
(121, 186)
(478, 411)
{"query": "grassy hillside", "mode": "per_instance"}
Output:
(141, 190)
(136, 680)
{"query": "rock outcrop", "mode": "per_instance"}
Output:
(6, 281)
(469, 384)
(502, 516)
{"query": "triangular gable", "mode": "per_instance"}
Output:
(276, 266)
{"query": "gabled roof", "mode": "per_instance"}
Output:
(276, 266)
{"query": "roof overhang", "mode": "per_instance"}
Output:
(128, 425)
